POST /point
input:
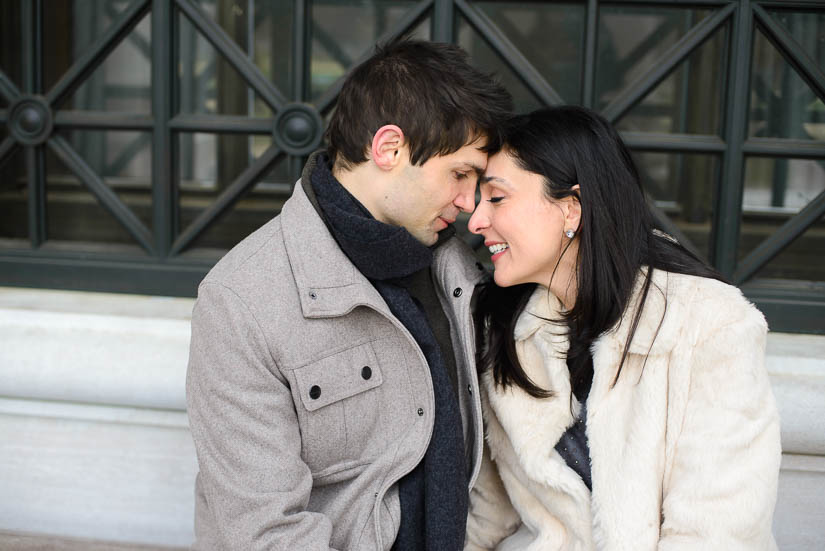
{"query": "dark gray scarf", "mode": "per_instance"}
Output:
(433, 496)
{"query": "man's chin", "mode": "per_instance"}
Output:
(427, 239)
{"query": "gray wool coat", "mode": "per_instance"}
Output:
(307, 399)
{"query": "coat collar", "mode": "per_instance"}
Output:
(655, 333)
(328, 283)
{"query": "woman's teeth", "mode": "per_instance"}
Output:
(498, 247)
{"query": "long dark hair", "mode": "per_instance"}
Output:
(571, 146)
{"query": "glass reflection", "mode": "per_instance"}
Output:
(782, 103)
(775, 190)
(123, 81)
(681, 186)
(559, 30)
(14, 226)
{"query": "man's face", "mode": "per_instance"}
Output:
(425, 198)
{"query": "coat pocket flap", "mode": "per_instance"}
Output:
(338, 376)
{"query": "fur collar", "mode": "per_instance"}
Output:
(649, 339)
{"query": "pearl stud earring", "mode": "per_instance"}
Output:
(569, 233)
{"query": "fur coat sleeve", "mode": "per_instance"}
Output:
(723, 471)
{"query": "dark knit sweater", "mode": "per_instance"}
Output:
(433, 495)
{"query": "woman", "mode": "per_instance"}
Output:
(625, 396)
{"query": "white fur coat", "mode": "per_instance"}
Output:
(684, 448)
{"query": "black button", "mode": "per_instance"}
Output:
(457, 292)
(312, 295)
(315, 392)
(470, 389)
(479, 266)
(420, 412)
(366, 372)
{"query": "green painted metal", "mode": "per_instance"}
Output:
(693, 143)
(164, 269)
(33, 86)
(590, 41)
(103, 120)
(8, 90)
(164, 144)
(728, 207)
(228, 124)
(778, 147)
(443, 21)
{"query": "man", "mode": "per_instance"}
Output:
(331, 387)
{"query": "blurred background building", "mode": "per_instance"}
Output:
(141, 139)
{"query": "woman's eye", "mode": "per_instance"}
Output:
(495, 199)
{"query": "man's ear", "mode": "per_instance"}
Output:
(387, 144)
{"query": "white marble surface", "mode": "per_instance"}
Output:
(97, 480)
(94, 440)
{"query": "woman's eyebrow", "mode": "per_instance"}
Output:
(487, 179)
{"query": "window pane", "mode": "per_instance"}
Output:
(486, 59)
(782, 104)
(14, 221)
(775, 190)
(208, 83)
(212, 163)
(75, 218)
(344, 31)
(632, 40)
(689, 100)
(71, 28)
(802, 259)
(124, 80)
(549, 35)
(681, 186)
(11, 40)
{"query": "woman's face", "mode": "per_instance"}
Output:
(523, 229)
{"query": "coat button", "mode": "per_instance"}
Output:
(420, 412)
(313, 295)
(366, 372)
(315, 392)
(479, 266)
(457, 292)
(470, 389)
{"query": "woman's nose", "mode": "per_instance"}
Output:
(478, 221)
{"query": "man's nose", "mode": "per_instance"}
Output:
(466, 198)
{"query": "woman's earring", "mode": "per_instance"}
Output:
(569, 233)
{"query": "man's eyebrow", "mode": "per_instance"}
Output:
(472, 166)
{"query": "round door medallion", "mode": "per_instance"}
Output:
(30, 120)
(298, 129)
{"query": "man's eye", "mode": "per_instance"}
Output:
(460, 175)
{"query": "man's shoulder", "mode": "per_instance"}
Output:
(251, 259)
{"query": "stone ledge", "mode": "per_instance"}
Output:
(11, 541)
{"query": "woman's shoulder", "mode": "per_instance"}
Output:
(711, 305)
